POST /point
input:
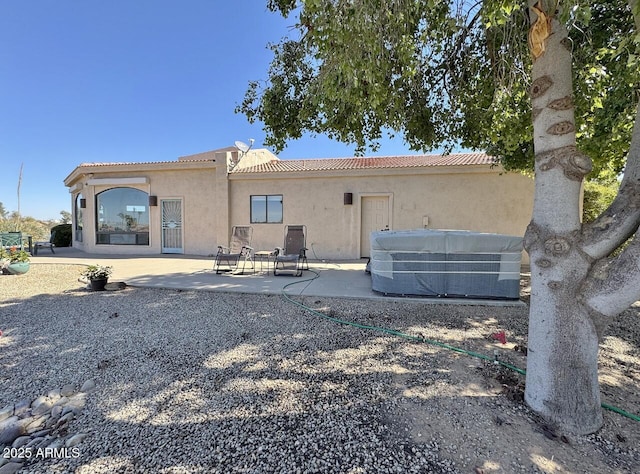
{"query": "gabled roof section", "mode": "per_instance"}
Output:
(390, 162)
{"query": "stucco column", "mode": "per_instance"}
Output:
(89, 216)
(222, 226)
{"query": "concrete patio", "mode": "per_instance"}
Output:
(343, 279)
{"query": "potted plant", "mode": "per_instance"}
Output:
(98, 275)
(14, 261)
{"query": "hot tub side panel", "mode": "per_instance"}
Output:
(446, 264)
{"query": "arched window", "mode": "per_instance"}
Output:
(122, 217)
(77, 219)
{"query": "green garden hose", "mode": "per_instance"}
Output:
(393, 332)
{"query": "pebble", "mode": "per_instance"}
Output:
(56, 411)
(36, 423)
(21, 407)
(67, 390)
(10, 429)
(21, 423)
(54, 394)
(6, 412)
(20, 441)
(75, 403)
(75, 439)
(88, 387)
(10, 468)
(42, 408)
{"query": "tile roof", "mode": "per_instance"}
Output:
(139, 163)
(332, 164)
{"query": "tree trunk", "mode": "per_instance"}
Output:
(562, 370)
(562, 363)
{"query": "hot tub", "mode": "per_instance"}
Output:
(446, 263)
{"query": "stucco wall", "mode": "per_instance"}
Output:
(485, 201)
(474, 198)
(196, 189)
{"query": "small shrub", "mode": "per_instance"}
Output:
(63, 235)
(13, 255)
(96, 272)
(597, 198)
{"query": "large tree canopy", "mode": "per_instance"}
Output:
(549, 85)
(443, 73)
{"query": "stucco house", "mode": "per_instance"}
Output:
(189, 205)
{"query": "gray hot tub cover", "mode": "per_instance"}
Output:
(446, 263)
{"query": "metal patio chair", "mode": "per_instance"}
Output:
(45, 244)
(293, 256)
(229, 259)
(11, 239)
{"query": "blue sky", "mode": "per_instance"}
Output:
(129, 80)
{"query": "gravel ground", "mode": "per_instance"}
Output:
(212, 382)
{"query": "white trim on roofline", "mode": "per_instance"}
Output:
(110, 181)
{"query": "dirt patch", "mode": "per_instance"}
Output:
(472, 411)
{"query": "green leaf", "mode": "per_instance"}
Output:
(444, 75)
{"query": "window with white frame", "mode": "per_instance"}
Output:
(122, 217)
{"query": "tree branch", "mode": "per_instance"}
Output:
(612, 285)
(635, 11)
(620, 221)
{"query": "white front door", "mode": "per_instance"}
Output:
(172, 226)
(375, 216)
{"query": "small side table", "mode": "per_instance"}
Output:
(263, 256)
